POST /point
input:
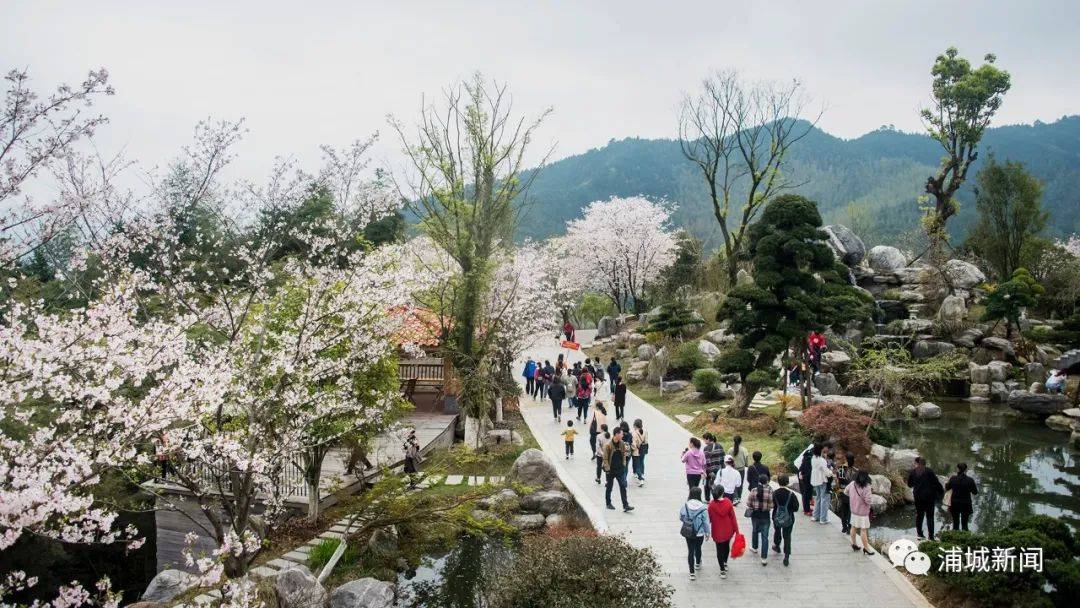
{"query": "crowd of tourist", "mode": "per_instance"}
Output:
(718, 480)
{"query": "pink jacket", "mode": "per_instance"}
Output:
(858, 498)
(695, 462)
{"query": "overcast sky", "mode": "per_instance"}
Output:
(312, 72)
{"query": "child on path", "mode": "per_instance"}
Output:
(568, 438)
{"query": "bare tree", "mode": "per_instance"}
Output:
(738, 134)
(467, 188)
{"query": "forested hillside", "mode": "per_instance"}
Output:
(870, 183)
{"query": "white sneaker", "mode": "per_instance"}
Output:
(693, 576)
(723, 573)
(753, 550)
(764, 562)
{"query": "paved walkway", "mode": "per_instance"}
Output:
(823, 572)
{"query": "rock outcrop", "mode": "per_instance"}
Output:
(298, 588)
(364, 593)
(168, 584)
(535, 469)
(884, 258)
(1041, 404)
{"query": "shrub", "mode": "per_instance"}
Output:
(846, 428)
(1014, 588)
(580, 570)
(685, 359)
(883, 435)
(794, 443)
(707, 382)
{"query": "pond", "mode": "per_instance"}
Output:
(453, 579)
(1021, 467)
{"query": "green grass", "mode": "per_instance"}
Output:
(462, 460)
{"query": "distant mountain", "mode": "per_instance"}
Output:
(872, 181)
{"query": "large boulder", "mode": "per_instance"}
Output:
(528, 521)
(980, 374)
(826, 383)
(916, 326)
(998, 371)
(1041, 404)
(880, 485)
(168, 584)
(863, 405)
(968, 338)
(878, 504)
(885, 258)
(999, 391)
(607, 327)
(635, 339)
(925, 349)
(364, 593)
(720, 337)
(298, 588)
(1035, 372)
(963, 275)
(637, 370)
(913, 275)
(998, 344)
(556, 520)
(1059, 422)
(980, 390)
(847, 245)
(383, 541)
(928, 410)
(658, 367)
(708, 349)
(837, 360)
(743, 278)
(645, 352)
(546, 502)
(902, 461)
(953, 309)
(505, 500)
(535, 469)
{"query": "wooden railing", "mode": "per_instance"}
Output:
(290, 481)
(428, 370)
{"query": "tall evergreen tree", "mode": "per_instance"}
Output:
(1009, 201)
(798, 287)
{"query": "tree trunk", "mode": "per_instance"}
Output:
(313, 461)
(740, 406)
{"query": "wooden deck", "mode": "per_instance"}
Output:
(174, 523)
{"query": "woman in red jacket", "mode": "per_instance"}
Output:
(724, 528)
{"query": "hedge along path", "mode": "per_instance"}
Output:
(824, 571)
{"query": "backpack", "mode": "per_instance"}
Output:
(687, 530)
(783, 517)
(599, 374)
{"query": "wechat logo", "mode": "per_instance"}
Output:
(905, 552)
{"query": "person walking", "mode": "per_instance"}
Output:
(628, 439)
(804, 465)
(756, 471)
(858, 492)
(724, 526)
(538, 381)
(613, 372)
(845, 474)
(639, 451)
(714, 461)
(619, 398)
(601, 440)
(584, 393)
(547, 374)
(820, 478)
(729, 481)
(739, 455)
(693, 462)
(614, 455)
(599, 418)
(926, 487)
(960, 503)
(759, 500)
(529, 374)
(568, 331)
(785, 505)
(557, 393)
(694, 516)
(568, 438)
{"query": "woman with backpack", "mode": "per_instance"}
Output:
(724, 528)
(694, 516)
(785, 505)
(858, 493)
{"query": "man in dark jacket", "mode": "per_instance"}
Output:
(613, 371)
(927, 489)
(805, 487)
(619, 398)
(557, 392)
(960, 505)
(614, 456)
(756, 471)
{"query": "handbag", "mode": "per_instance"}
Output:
(643, 449)
(738, 546)
(947, 499)
(748, 512)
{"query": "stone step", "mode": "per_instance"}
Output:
(263, 571)
(331, 534)
(296, 556)
(495, 479)
(279, 564)
(454, 480)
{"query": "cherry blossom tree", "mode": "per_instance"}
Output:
(36, 135)
(622, 245)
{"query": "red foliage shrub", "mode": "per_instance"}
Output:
(844, 427)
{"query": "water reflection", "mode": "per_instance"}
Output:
(1022, 467)
(455, 579)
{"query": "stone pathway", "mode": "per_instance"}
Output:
(823, 572)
